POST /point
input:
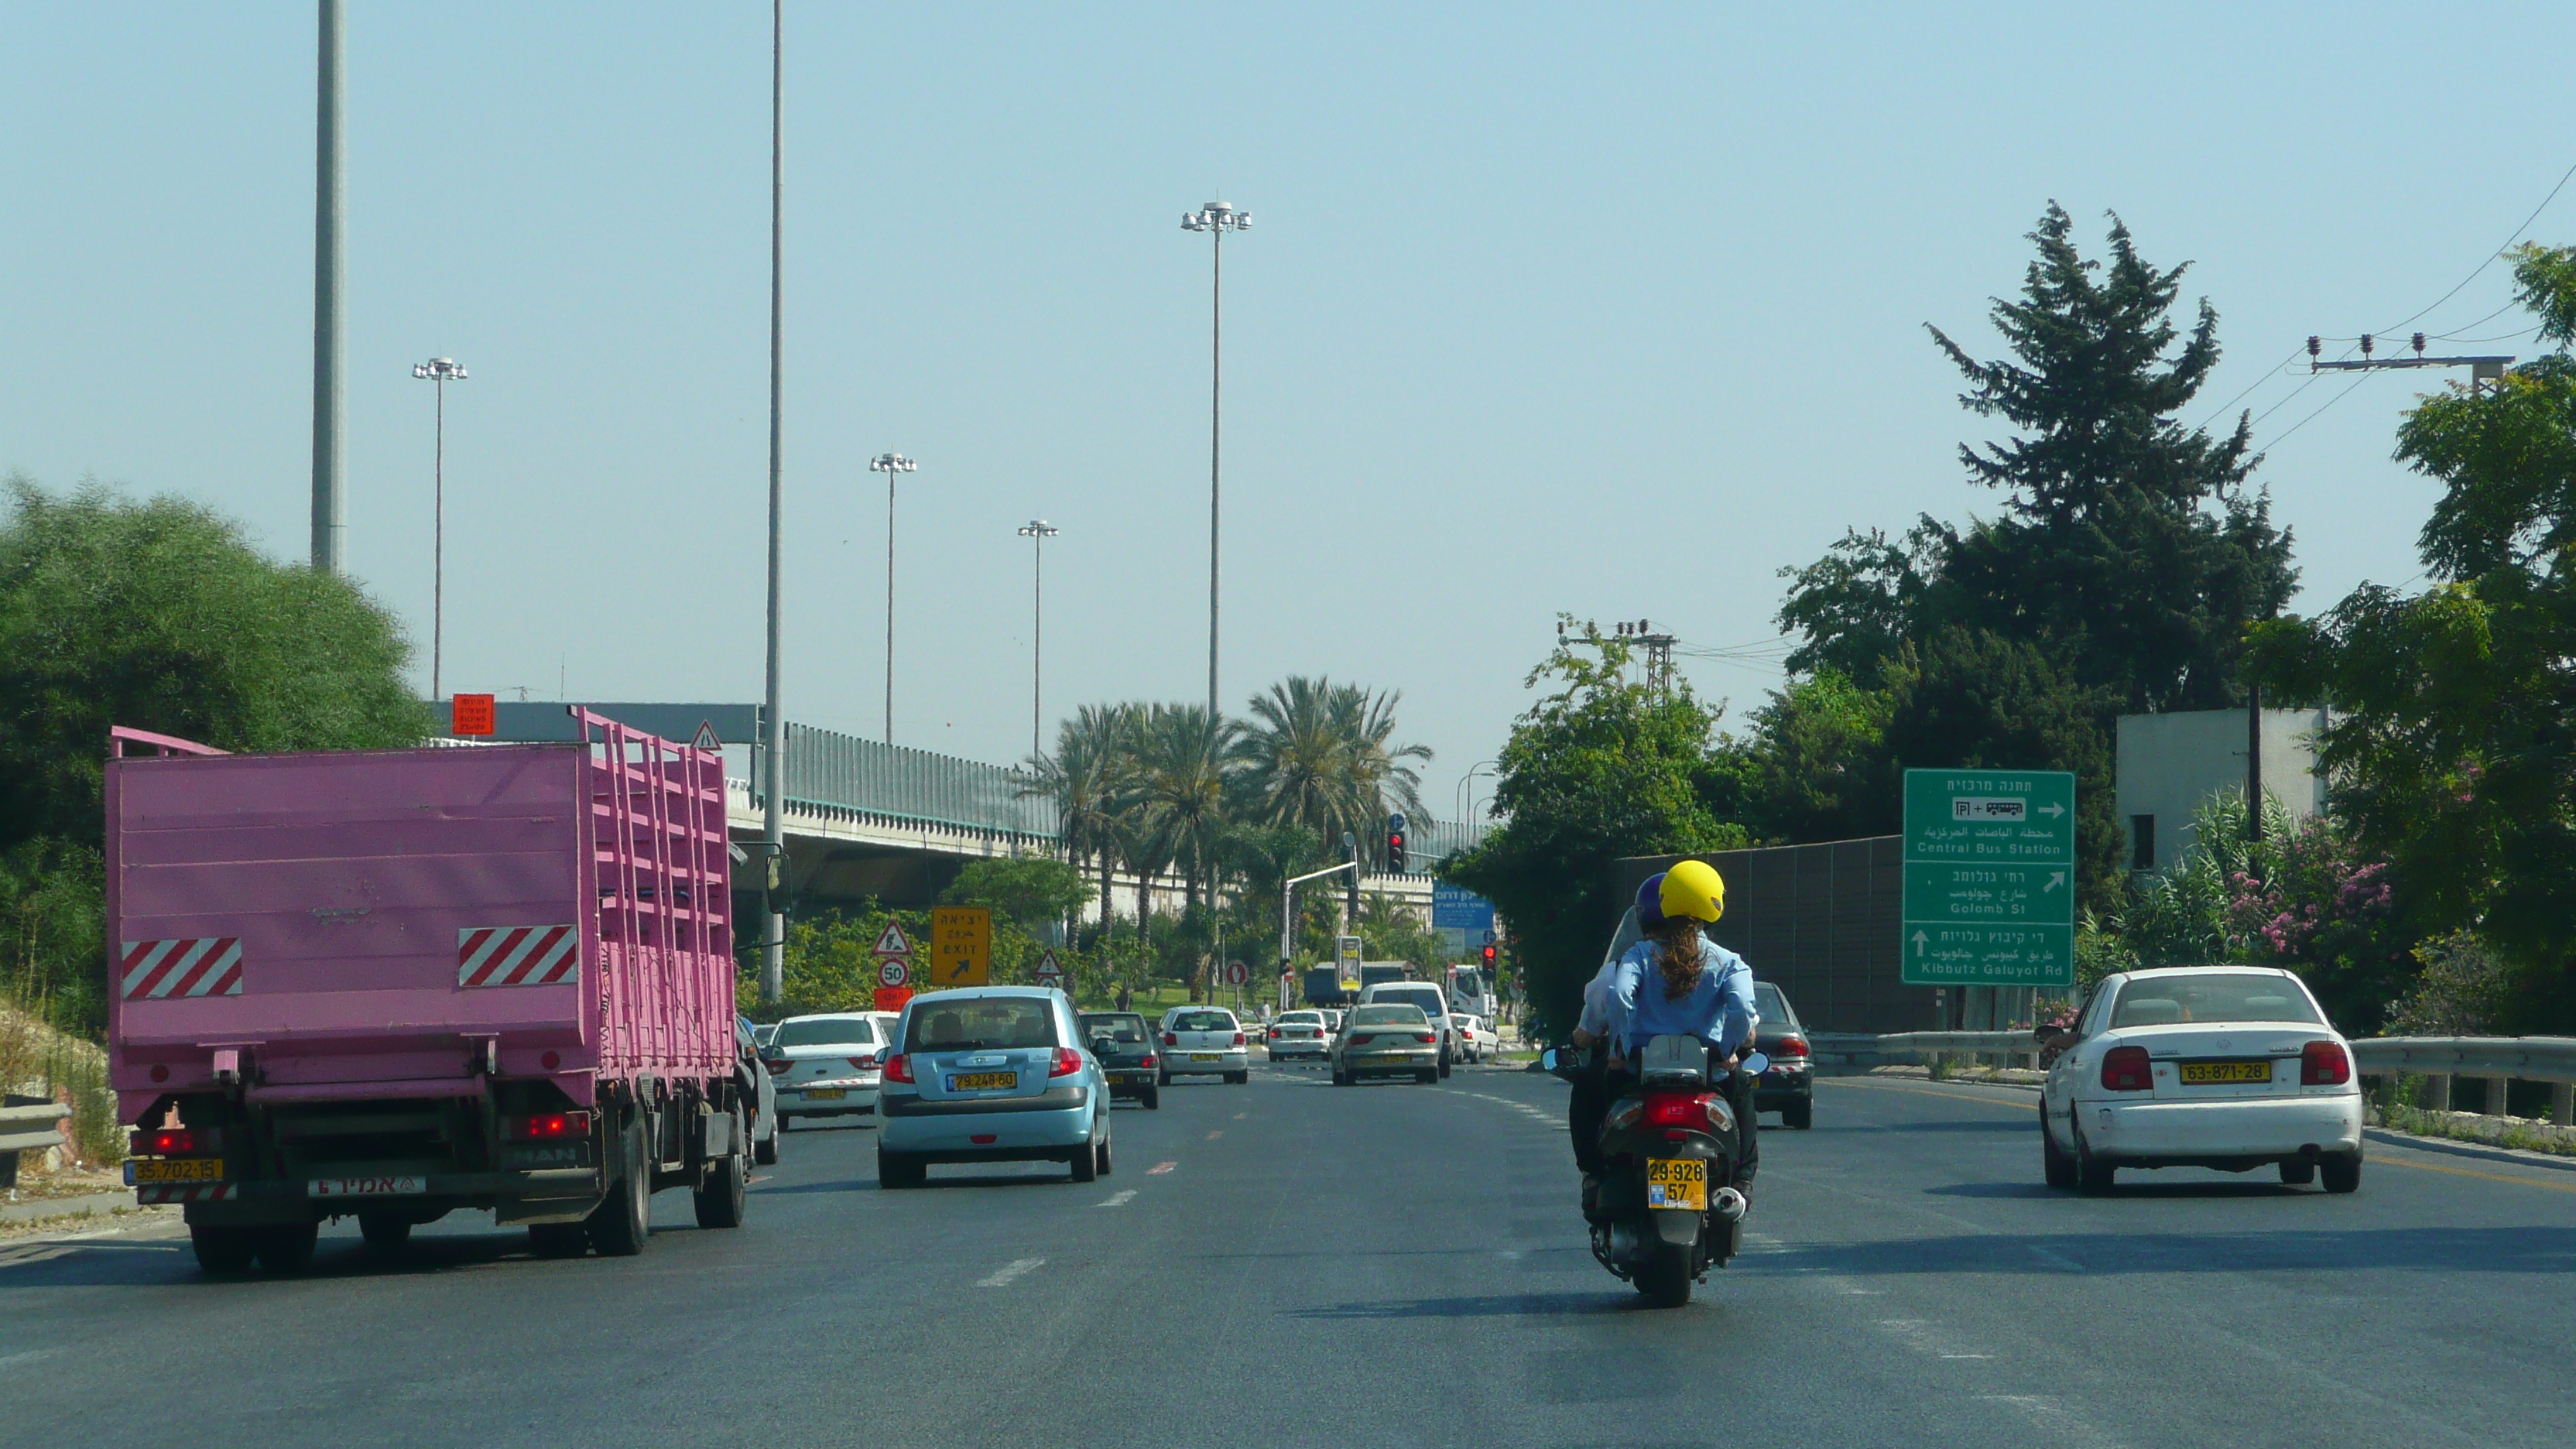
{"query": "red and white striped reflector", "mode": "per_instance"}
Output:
(159, 1192)
(200, 966)
(516, 955)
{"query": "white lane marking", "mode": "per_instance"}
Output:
(1118, 1199)
(1220, 1132)
(1003, 1277)
(30, 1356)
(1513, 1254)
(1159, 1168)
(1923, 1336)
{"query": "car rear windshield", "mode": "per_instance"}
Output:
(1302, 1018)
(1116, 1028)
(1771, 1006)
(982, 1026)
(1204, 1021)
(826, 1031)
(1389, 1016)
(1424, 998)
(2216, 996)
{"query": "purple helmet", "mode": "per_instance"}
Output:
(1650, 904)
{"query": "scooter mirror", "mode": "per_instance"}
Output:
(1756, 1064)
(1547, 1060)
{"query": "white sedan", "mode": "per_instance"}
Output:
(826, 1066)
(1476, 1041)
(2228, 1067)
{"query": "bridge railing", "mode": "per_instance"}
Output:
(827, 773)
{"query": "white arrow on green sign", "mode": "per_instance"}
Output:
(1989, 894)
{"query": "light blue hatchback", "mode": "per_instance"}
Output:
(990, 1074)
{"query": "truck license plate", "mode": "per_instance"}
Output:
(1677, 1183)
(186, 1169)
(366, 1186)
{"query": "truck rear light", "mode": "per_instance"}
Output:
(2125, 1069)
(898, 1068)
(2324, 1064)
(1238, 1039)
(549, 1126)
(1789, 1046)
(179, 1142)
(1067, 1062)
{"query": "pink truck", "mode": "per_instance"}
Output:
(391, 984)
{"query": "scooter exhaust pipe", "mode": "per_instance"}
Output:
(1728, 1204)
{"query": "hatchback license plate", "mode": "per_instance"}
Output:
(2210, 1074)
(824, 1094)
(1203, 1056)
(983, 1081)
(1677, 1183)
(186, 1169)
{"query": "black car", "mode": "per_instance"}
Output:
(1128, 1055)
(1787, 1087)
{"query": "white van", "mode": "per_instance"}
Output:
(1434, 1003)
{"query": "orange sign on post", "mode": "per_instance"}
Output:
(470, 714)
(961, 946)
(892, 998)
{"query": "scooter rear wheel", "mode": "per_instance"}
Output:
(1665, 1278)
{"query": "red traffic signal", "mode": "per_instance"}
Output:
(1489, 957)
(1395, 852)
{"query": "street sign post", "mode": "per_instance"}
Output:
(961, 946)
(1346, 950)
(1989, 886)
(894, 971)
(892, 998)
(1236, 973)
(1050, 972)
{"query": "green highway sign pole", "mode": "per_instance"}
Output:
(1989, 878)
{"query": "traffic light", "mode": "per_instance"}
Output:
(1489, 961)
(1395, 852)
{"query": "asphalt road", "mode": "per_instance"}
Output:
(1286, 1263)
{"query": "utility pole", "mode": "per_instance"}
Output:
(330, 497)
(1659, 652)
(2254, 776)
(1216, 218)
(2483, 371)
(773, 724)
(442, 371)
(890, 464)
(1037, 531)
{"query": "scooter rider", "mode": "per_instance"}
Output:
(1600, 1078)
(1675, 982)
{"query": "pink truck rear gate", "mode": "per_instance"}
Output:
(451, 942)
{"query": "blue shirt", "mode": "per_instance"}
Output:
(1718, 1009)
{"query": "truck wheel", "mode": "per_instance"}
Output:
(619, 1226)
(719, 1197)
(558, 1240)
(287, 1247)
(222, 1251)
(765, 1151)
(385, 1232)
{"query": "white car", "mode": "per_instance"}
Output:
(826, 1066)
(1297, 1034)
(1476, 1041)
(1435, 1006)
(2230, 1067)
(1204, 1041)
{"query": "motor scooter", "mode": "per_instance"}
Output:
(1667, 1211)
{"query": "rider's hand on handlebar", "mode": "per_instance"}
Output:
(1584, 1039)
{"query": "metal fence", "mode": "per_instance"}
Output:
(828, 771)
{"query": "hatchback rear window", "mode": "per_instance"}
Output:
(1424, 999)
(2229, 996)
(1389, 1016)
(982, 1026)
(1204, 1021)
(826, 1031)
(1116, 1028)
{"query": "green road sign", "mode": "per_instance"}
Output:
(1989, 878)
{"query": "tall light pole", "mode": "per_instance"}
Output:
(1037, 531)
(330, 498)
(1216, 218)
(773, 724)
(890, 464)
(440, 370)
(1464, 799)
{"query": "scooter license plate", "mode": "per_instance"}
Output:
(1677, 1183)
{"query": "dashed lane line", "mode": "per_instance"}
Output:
(1159, 1168)
(1118, 1199)
(1001, 1278)
(1220, 1132)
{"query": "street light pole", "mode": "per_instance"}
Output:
(1216, 218)
(442, 371)
(773, 724)
(890, 464)
(1037, 531)
(330, 496)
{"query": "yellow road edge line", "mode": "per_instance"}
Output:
(1930, 1092)
(2470, 1172)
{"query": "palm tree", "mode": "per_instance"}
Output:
(1090, 777)
(1184, 767)
(1382, 775)
(1321, 756)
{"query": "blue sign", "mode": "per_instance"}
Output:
(1457, 908)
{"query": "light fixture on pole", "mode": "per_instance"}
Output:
(1037, 531)
(1466, 800)
(1216, 218)
(890, 464)
(440, 370)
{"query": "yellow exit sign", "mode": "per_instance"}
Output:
(961, 946)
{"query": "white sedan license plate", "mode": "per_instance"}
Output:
(400, 1186)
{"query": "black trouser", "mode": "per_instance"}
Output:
(1598, 1084)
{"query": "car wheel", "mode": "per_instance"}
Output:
(1799, 1116)
(1237, 1079)
(1443, 1068)
(898, 1169)
(2093, 1175)
(1152, 1097)
(287, 1247)
(1106, 1163)
(385, 1232)
(1428, 1076)
(223, 1251)
(2055, 1166)
(1163, 1079)
(765, 1151)
(2341, 1173)
(1086, 1163)
(558, 1240)
(1341, 1078)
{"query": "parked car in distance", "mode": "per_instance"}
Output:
(1296, 1034)
(1435, 1010)
(1386, 1039)
(2226, 1067)
(1130, 1059)
(992, 1074)
(764, 1116)
(1204, 1041)
(1476, 1041)
(1786, 1086)
(825, 1066)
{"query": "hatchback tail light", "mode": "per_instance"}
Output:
(1067, 1062)
(548, 1126)
(2125, 1069)
(1789, 1046)
(2324, 1064)
(1238, 1039)
(898, 1068)
(1170, 1040)
(1148, 1061)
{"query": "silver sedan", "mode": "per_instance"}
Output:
(1388, 1040)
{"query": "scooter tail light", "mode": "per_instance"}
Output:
(1677, 1110)
(2126, 1069)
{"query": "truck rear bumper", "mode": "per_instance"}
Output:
(293, 1201)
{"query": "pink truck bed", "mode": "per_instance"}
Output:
(413, 923)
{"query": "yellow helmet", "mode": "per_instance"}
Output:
(1693, 888)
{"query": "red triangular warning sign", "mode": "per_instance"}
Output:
(893, 942)
(706, 739)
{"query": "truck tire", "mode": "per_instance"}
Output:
(385, 1232)
(619, 1226)
(558, 1240)
(287, 1247)
(223, 1251)
(719, 1197)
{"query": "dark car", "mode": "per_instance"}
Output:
(1128, 1055)
(1787, 1087)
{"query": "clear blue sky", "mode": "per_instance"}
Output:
(1610, 310)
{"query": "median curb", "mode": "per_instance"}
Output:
(59, 1207)
(2396, 1138)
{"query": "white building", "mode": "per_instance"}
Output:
(2169, 763)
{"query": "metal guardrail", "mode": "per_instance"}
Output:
(25, 1128)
